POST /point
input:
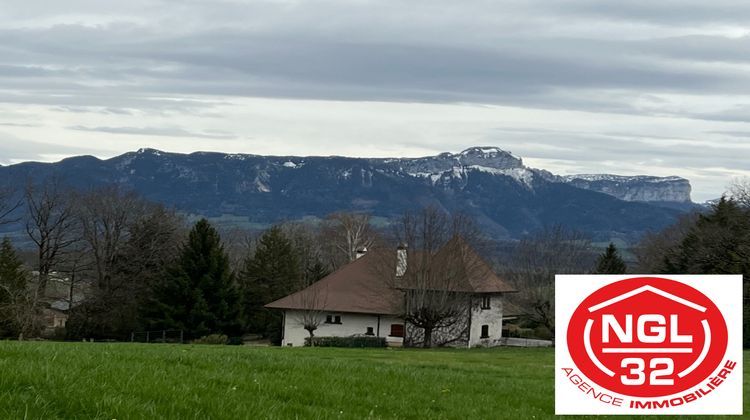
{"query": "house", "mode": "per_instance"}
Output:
(54, 315)
(59, 297)
(377, 293)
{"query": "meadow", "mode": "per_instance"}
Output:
(47, 380)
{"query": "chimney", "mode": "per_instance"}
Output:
(401, 260)
(361, 252)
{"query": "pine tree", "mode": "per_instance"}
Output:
(610, 262)
(198, 294)
(13, 284)
(718, 243)
(271, 273)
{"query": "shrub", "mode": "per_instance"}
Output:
(518, 332)
(510, 330)
(235, 341)
(212, 339)
(543, 332)
(352, 341)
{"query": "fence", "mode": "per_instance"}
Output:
(525, 342)
(158, 336)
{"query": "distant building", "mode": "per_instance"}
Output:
(57, 301)
(358, 299)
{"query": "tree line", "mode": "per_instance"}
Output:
(132, 265)
(713, 241)
(117, 263)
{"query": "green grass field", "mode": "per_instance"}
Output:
(45, 380)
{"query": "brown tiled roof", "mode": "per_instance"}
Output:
(355, 287)
(459, 268)
(363, 286)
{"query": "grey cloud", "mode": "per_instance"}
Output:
(92, 109)
(109, 101)
(736, 113)
(25, 71)
(534, 70)
(13, 149)
(157, 131)
(698, 48)
(454, 73)
(658, 12)
(625, 147)
(24, 125)
(731, 133)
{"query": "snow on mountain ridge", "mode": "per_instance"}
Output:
(635, 188)
(616, 178)
(487, 159)
(490, 151)
(521, 175)
(443, 167)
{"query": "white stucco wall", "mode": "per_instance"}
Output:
(351, 324)
(492, 317)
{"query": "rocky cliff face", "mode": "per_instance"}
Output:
(484, 157)
(635, 188)
(447, 169)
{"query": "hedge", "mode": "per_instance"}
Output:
(353, 341)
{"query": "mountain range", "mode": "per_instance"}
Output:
(508, 198)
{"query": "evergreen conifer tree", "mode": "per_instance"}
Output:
(199, 294)
(718, 243)
(271, 273)
(13, 285)
(316, 272)
(610, 262)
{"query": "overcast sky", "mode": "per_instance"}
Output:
(573, 86)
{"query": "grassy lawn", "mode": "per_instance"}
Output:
(132, 381)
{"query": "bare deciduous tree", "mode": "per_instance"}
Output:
(75, 268)
(105, 215)
(347, 233)
(313, 304)
(50, 225)
(554, 250)
(307, 246)
(9, 203)
(22, 306)
(238, 243)
(129, 245)
(655, 248)
(432, 267)
(739, 191)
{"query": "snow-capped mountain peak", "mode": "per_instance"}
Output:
(486, 151)
(446, 166)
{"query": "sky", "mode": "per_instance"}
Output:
(572, 86)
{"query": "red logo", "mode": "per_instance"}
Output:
(647, 337)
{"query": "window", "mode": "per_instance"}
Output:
(370, 331)
(397, 330)
(486, 302)
(333, 319)
(485, 331)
